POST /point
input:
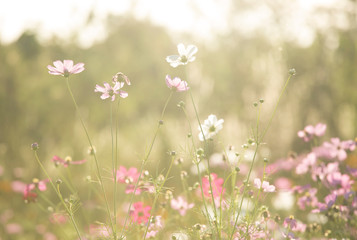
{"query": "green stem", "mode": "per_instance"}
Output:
(144, 162)
(197, 166)
(276, 107)
(157, 196)
(258, 141)
(208, 167)
(59, 196)
(115, 167)
(94, 155)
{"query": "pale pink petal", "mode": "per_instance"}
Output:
(78, 68)
(123, 94)
(59, 65)
(68, 65)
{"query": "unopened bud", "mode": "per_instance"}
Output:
(292, 71)
(35, 146)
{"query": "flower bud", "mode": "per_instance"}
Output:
(181, 104)
(35, 146)
(292, 71)
(58, 181)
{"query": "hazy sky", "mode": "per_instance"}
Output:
(204, 18)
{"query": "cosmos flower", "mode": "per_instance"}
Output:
(265, 185)
(127, 176)
(140, 213)
(210, 127)
(65, 68)
(217, 186)
(185, 56)
(176, 83)
(110, 92)
(310, 131)
(181, 205)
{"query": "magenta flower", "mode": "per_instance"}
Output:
(127, 176)
(109, 91)
(65, 68)
(29, 194)
(216, 183)
(140, 213)
(181, 205)
(265, 185)
(176, 83)
(67, 161)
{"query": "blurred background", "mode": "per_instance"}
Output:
(245, 49)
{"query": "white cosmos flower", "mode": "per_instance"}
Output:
(185, 56)
(210, 127)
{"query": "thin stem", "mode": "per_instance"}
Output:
(157, 195)
(114, 170)
(143, 162)
(276, 107)
(208, 166)
(59, 196)
(197, 166)
(258, 141)
(115, 167)
(244, 190)
(94, 154)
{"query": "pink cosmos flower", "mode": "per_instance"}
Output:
(140, 213)
(65, 68)
(343, 181)
(67, 161)
(127, 176)
(336, 148)
(176, 83)
(156, 225)
(320, 172)
(29, 194)
(217, 189)
(303, 167)
(308, 199)
(110, 92)
(265, 185)
(310, 131)
(181, 205)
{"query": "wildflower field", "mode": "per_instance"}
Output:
(170, 143)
